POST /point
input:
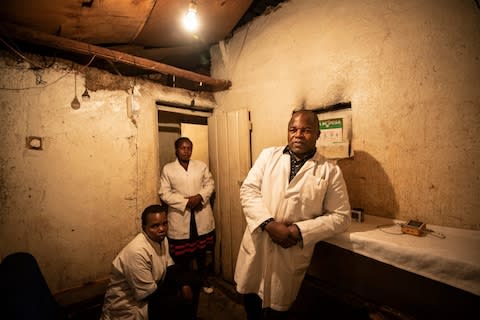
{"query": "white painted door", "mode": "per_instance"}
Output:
(230, 161)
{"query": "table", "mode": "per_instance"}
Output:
(454, 260)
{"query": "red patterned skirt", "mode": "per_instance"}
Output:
(190, 247)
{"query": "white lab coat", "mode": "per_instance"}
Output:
(316, 200)
(136, 270)
(175, 184)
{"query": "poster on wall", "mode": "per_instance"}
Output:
(332, 131)
(335, 134)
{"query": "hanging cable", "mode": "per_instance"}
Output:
(51, 83)
(19, 53)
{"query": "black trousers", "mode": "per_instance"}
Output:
(167, 303)
(24, 292)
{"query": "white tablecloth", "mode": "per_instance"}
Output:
(454, 260)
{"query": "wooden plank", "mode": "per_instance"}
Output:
(213, 156)
(229, 143)
(224, 188)
(229, 136)
(45, 39)
(237, 153)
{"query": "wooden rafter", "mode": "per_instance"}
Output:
(52, 41)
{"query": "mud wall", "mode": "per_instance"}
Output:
(411, 72)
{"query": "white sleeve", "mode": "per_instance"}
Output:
(208, 185)
(137, 270)
(251, 195)
(168, 194)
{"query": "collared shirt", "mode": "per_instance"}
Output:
(296, 165)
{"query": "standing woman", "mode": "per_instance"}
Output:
(186, 187)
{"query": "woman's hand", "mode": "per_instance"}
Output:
(194, 202)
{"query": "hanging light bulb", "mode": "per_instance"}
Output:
(75, 104)
(190, 20)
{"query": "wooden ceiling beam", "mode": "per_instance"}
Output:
(52, 41)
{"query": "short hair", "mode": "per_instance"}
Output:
(179, 141)
(311, 112)
(301, 108)
(154, 208)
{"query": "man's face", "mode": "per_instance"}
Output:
(156, 226)
(303, 133)
(184, 151)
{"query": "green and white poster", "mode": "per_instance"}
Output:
(331, 131)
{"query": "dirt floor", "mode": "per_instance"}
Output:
(313, 302)
(224, 303)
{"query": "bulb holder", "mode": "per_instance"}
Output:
(85, 95)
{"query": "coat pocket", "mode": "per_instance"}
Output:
(313, 192)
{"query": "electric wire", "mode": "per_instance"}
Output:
(424, 231)
(38, 67)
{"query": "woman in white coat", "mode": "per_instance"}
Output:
(292, 198)
(186, 187)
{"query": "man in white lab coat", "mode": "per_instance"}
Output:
(292, 198)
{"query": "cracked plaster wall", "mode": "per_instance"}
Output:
(75, 203)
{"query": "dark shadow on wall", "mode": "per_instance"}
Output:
(368, 185)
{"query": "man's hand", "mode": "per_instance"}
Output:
(294, 233)
(194, 202)
(281, 234)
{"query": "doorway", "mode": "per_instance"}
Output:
(223, 139)
(173, 125)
